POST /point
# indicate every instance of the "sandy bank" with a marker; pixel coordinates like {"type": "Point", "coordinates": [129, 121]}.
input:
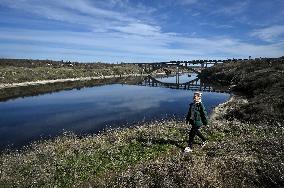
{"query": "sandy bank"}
{"type": "Point", "coordinates": [41, 82]}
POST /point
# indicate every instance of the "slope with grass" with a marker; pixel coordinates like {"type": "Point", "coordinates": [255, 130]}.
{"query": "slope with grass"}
{"type": "Point", "coordinates": [23, 70]}
{"type": "Point", "coordinates": [261, 81]}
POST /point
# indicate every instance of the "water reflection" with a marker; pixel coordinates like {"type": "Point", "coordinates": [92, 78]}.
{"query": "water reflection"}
{"type": "Point", "coordinates": [194, 84]}
{"type": "Point", "coordinates": [177, 78]}
{"type": "Point", "coordinates": [91, 109]}
{"type": "Point", "coordinates": [34, 90]}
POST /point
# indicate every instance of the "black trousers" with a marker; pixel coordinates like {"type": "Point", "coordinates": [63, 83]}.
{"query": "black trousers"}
{"type": "Point", "coordinates": [195, 131]}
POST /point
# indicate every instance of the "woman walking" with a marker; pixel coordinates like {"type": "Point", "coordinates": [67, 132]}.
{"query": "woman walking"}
{"type": "Point", "coordinates": [196, 117]}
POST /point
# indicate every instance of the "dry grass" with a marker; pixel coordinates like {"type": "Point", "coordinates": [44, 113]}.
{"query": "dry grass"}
{"type": "Point", "coordinates": [70, 160]}
{"type": "Point", "coordinates": [238, 155]}
{"type": "Point", "coordinates": [25, 71]}
{"type": "Point", "coordinates": [261, 81]}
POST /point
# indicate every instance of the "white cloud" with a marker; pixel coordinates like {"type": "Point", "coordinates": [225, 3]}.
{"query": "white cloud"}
{"type": "Point", "coordinates": [188, 2]}
{"type": "Point", "coordinates": [269, 34]}
{"type": "Point", "coordinates": [118, 46]}
{"type": "Point", "coordinates": [215, 25]}
{"type": "Point", "coordinates": [196, 14]}
{"type": "Point", "coordinates": [232, 9]}
{"type": "Point", "coordinates": [139, 29]}
{"type": "Point", "coordinates": [62, 7]}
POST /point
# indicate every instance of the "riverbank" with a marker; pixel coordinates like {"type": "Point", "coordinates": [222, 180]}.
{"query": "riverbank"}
{"type": "Point", "coordinates": [21, 77]}
{"type": "Point", "coordinates": [37, 88]}
{"type": "Point", "coordinates": [238, 154]}
{"type": "Point", "coordinates": [42, 82]}
{"type": "Point", "coordinates": [260, 81]}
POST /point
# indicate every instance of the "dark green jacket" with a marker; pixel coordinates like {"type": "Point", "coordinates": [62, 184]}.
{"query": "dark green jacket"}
{"type": "Point", "coordinates": [199, 117]}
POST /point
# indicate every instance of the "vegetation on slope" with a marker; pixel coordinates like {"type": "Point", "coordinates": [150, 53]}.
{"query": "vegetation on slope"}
{"type": "Point", "coordinates": [21, 70]}
{"type": "Point", "coordinates": [261, 81]}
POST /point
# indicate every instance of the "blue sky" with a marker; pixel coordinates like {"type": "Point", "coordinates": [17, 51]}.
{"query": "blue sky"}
{"type": "Point", "coordinates": [141, 31]}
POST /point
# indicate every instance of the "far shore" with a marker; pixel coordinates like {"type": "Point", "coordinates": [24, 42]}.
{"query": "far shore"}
{"type": "Point", "coordinates": [41, 82]}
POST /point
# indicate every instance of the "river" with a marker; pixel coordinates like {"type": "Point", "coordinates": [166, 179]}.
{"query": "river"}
{"type": "Point", "coordinates": [93, 109]}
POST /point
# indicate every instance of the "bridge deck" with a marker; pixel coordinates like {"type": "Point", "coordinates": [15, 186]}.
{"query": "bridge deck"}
{"type": "Point", "coordinates": [208, 61]}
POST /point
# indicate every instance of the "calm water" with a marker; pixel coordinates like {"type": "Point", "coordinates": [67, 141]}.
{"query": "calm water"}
{"type": "Point", "coordinates": [90, 110]}
{"type": "Point", "coordinates": [182, 78]}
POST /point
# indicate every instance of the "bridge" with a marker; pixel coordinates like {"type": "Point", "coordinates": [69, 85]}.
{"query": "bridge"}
{"type": "Point", "coordinates": [193, 85]}
{"type": "Point", "coordinates": [195, 66]}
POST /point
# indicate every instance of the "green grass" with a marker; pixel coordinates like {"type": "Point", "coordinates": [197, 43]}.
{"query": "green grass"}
{"type": "Point", "coordinates": [70, 160]}
{"type": "Point", "coordinates": [79, 167]}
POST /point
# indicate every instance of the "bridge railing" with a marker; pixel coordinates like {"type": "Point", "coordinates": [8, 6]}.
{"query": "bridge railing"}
{"type": "Point", "coordinates": [191, 64]}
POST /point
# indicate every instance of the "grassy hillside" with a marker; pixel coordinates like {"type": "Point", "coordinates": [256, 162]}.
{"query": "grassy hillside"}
{"type": "Point", "coordinates": [261, 81]}
{"type": "Point", "coordinates": [21, 70]}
